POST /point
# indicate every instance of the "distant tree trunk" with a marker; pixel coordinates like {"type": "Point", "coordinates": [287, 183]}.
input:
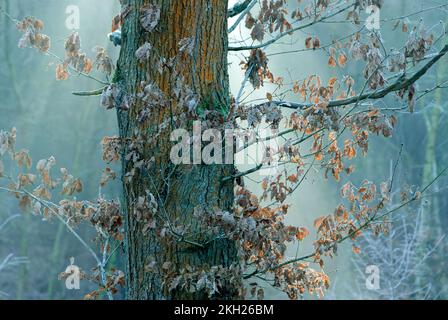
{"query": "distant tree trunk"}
{"type": "Point", "coordinates": [180, 189]}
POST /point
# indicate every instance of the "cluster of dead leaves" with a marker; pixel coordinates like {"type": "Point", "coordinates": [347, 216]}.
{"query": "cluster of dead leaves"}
{"type": "Point", "coordinates": [335, 165]}
{"type": "Point", "coordinates": [74, 57]}
{"type": "Point", "coordinates": [279, 187]}
{"type": "Point", "coordinates": [349, 221]}
{"type": "Point", "coordinates": [341, 59]}
{"type": "Point", "coordinates": [298, 278]}
{"type": "Point", "coordinates": [145, 211]}
{"type": "Point", "coordinates": [419, 43]}
{"type": "Point", "coordinates": [108, 218]}
{"type": "Point", "coordinates": [35, 192]}
{"type": "Point", "coordinates": [107, 175]}
{"type": "Point", "coordinates": [373, 121]}
{"type": "Point", "coordinates": [42, 182]}
{"type": "Point", "coordinates": [109, 97]}
{"type": "Point", "coordinates": [269, 112]}
{"type": "Point", "coordinates": [103, 62]}
{"type": "Point", "coordinates": [272, 18]}
{"type": "Point", "coordinates": [70, 184]}
{"type": "Point", "coordinates": [370, 52]}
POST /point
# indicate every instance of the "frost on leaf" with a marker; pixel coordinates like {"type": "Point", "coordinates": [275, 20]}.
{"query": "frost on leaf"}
{"type": "Point", "coordinates": [210, 280]}
{"type": "Point", "coordinates": [23, 158]}
{"type": "Point", "coordinates": [43, 167]}
{"type": "Point", "coordinates": [271, 18]}
{"type": "Point", "coordinates": [150, 17]}
{"type": "Point", "coordinates": [419, 43]}
{"type": "Point", "coordinates": [108, 217]}
{"type": "Point", "coordinates": [32, 37]}
{"type": "Point", "coordinates": [143, 53]}
{"type": "Point", "coordinates": [42, 192]}
{"type": "Point", "coordinates": [74, 57]}
{"type": "Point", "coordinates": [73, 45]}
{"type": "Point", "coordinates": [70, 184]}
{"type": "Point", "coordinates": [396, 62]}
{"type": "Point", "coordinates": [25, 180]}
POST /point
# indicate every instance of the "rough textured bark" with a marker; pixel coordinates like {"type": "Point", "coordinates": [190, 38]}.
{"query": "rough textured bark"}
{"type": "Point", "coordinates": [180, 188]}
{"type": "Point", "coordinates": [430, 231]}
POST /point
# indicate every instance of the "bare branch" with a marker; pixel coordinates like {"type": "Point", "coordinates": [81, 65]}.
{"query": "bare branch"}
{"type": "Point", "coordinates": [11, 261]}
{"type": "Point", "coordinates": [76, 71]}
{"type": "Point", "coordinates": [15, 21]}
{"type": "Point", "coordinates": [51, 207]}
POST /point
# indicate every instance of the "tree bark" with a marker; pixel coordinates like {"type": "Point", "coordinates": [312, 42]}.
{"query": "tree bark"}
{"type": "Point", "coordinates": [178, 189]}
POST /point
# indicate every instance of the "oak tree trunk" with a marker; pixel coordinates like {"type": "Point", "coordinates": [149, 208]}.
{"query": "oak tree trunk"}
{"type": "Point", "coordinates": [178, 189]}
